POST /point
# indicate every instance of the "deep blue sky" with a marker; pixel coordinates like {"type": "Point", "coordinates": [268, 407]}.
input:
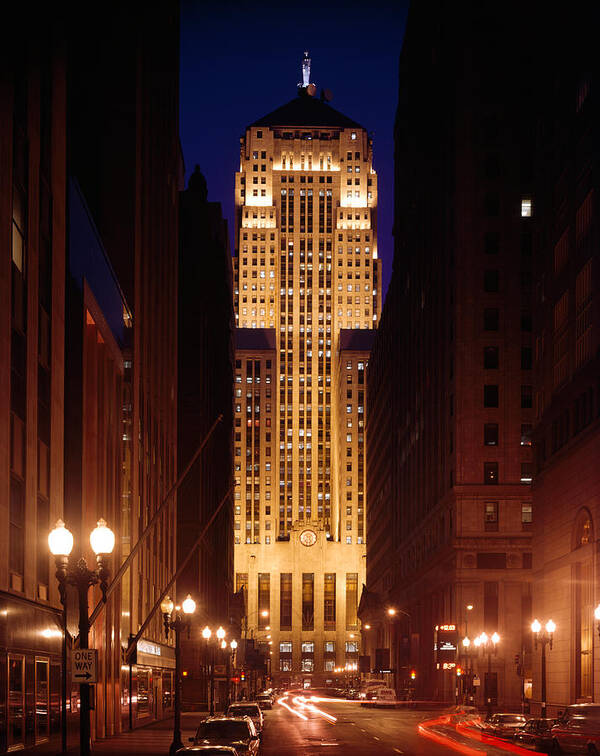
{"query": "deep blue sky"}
{"type": "Point", "coordinates": [240, 60]}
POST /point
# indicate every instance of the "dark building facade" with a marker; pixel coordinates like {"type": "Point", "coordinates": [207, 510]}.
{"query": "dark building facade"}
{"type": "Point", "coordinates": [33, 229]}
{"type": "Point", "coordinates": [124, 152]}
{"type": "Point", "coordinates": [205, 376]}
{"type": "Point", "coordinates": [450, 376]}
{"type": "Point", "coordinates": [566, 492]}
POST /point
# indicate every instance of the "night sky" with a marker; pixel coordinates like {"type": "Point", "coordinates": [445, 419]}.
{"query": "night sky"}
{"type": "Point", "coordinates": [239, 61]}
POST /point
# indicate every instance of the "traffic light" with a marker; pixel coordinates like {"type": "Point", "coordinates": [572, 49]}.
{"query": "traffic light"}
{"type": "Point", "coordinates": [243, 676]}
{"type": "Point", "coordinates": [458, 671]}
{"type": "Point", "coordinates": [413, 674]}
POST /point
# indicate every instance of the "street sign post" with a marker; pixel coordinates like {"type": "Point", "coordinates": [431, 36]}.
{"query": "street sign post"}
{"type": "Point", "coordinates": [476, 681]}
{"type": "Point", "coordinates": [84, 664]}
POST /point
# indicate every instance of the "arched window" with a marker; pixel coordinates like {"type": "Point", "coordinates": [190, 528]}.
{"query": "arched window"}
{"type": "Point", "coordinates": [583, 534]}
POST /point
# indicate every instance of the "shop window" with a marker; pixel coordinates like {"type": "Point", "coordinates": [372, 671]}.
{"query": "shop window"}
{"type": "Point", "coordinates": [42, 700]}
{"type": "Point", "coordinates": [16, 701]}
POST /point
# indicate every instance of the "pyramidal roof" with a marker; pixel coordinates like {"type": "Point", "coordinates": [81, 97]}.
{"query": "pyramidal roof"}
{"type": "Point", "coordinates": [308, 111]}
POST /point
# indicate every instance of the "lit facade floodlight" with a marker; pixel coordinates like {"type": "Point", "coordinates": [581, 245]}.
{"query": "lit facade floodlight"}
{"type": "Point", "coordinates": [536, 626]}
{"type": "Point", "coordinates": [206, 633]}
{"type": "Point", "coordinates": [188, 605]}
{"type": "Point", "coordinates": [60, 540]}
{"type": "Point", "coordinates": [368, 627]}
{"type": "Point", "coordinates": [102, 538]}
{"type": "Point", "coordinates": [167, 605]}
{"type": "Point", "coordinates": [469, 607]}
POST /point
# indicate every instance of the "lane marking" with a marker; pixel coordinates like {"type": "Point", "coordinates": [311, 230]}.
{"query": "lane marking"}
{"type": "Point", "coordinates": [375, 737]}
{"type": "Point", "coordinates": [398, 750]}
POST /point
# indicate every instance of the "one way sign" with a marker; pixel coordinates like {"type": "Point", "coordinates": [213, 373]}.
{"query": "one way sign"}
{"type": "Point", "coordinates": [84, 664]}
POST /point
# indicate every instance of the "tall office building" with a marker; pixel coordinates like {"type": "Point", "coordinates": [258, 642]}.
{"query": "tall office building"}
{"type": "Point", "coordinates": [307, 296]}
{"type": "Point", "coordinates": [451, 372]}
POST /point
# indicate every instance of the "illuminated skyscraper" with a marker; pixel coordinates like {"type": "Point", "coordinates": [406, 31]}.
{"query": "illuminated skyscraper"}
{"type": "Point", "coordinates": [307, 296]}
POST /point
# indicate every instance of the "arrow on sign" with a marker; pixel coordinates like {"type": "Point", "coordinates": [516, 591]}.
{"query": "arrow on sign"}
{"type": "Point", "coordinates": [82, 675]}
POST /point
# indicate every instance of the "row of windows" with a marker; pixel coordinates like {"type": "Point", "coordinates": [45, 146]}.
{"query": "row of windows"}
{"type": "Point", "coordinates": [490, 473]}
{"type": "Point", "coordinates": [308, 647]}
{"type": "Point", "coordinates": [491, 516]}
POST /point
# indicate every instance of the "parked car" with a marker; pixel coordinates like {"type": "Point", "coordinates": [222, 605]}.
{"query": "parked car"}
{"type": "Point", "coordinates": [351, 694]}
{"type": "Point", "coordinates": [247, 709]}
{"type": "Point", "coordinates": [535, 734]}
{"type": "Point", "coordinates": [504, 725]}
{"type": "Point", "coordinates": [578, 730]}
{"type": "Point", "coordinates": [211, 750]}
{"type": "Point", "coordinates": [264, 700]}
{"type": "Point", "coordinates": [237, 732]}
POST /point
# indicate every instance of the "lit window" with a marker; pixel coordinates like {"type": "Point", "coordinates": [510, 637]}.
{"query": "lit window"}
{"type": "Point", "coordinates": [526, 207]}
{"type": "Point", "coordinates": [353, 135]}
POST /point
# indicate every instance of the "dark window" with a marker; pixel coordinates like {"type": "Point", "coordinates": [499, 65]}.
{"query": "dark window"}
{"type": "Point", "coordinates": [491, 242]}
{"type": "Point", "coordinates": [491, 561]}
{"type": "Point", "coordinates": [490, 473]}
{"type": "Point", "coordinates": [526, 244]}
{"type": "Point", "coordinates": [526, 324]}
{"type": "Point", "coordinates": [490, 515]}
{"type": "Point", "coordinates": [329, 600]}
{"type": "Point", "coordinates": [490, 434]}
{"type": "Point", "coordinates": [490, 357]}
{"type": "Point", "coordinates": [526, 358]}
{"type": "Point", "coordinates": [490, 395]}
{"type": "Point", "coordinates": [527, 560]}
{"type": "Point", "coordinates": [526, 472]}
{"type": "Point", "coordinates": [491, 319]}
{"type": "Point", "coordinates": [490, 591]}
{"type": "Point", "coordinates": [285, 601]}
{"type": "Point", "coordinates": [308, 600]}
{"type": "Point", "coordinates": [491, 280]}
{"type": "Point", "coordinates": [259, 134]}
{"type": "Point", "coordinates": [526, 434]}
{"type": "Point", "coordinates": [526, 397]}
{"type": "Point", "coordinates": [492, 204]}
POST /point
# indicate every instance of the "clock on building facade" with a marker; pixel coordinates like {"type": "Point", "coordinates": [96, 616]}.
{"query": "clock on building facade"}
{"type": "Point", "coordinates": [308, 538]}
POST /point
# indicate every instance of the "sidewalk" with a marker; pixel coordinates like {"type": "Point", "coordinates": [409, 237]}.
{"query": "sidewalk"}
{"type": "Point", "coordinates": [154, 739]}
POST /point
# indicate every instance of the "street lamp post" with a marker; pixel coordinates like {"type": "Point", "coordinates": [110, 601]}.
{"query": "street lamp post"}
{"type": "Point", "coordinates": [206, 634]}
{"type": "Point", "coordinates": [488, 644]}
{"type": "Point", "coordinates": [545, 638]}
{"type": "Point", "coordinates": [230, 665]}
{"type": "Point", "coordinates": [60, 542]}
{"type": "Point", "coordinates": [392, 612]}
{"type": "Point", "coordinates": [174, 621]}
{"type": "Point", "coordinates": [467, 679]}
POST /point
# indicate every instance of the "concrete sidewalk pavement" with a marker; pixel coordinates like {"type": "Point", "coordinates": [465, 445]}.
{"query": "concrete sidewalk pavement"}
{"type": "Point", "coordinates": [153, 740]}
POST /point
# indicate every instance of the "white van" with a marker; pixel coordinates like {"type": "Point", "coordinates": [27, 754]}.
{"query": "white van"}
{"type": "Point", "coordinates": [381, 697]}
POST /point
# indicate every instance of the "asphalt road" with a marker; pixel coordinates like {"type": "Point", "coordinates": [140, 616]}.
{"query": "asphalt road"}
{"type": "Point", "coordinates": [357, 731]}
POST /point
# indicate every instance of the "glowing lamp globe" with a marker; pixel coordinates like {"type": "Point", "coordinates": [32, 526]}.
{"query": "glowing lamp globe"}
{"type": "Point", "coordinates": [484, 637]}
{"type": "Point", "coordinates": [264, 613]}
{"type": "Point", "coordinates": [206, 633]}
{"type": "Point", "coordinates": [536, 626]}
{"type": "Point", "coordinates": [166, 605]}
{"type": "Point", "coordinates": [550, 627]}
{"type": "Point", "coordinates": [223, 644]}
{"type": "Point", "coordinates": [597, 612]}
{"type": "Point", "coordinates": [233, 645]}
{"type": "Point", "coordinates": [477, 641]}
{"type": "Point", "coordinates": [220, 633]}
{"type": "Point", "coordinates": [60, 540]}
{"type": "Point", "coordinates": [102, 539]}
{"type": "Point", "coordinates": [495, 638]}
{"type": "Point", "coordinates": [466, 642]}
{"type": "Point", "coordinates": [188, 605]}
{"type": "Point", "coordinates": [391, 611]}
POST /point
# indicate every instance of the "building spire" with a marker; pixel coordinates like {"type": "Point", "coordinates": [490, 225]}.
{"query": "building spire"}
{"type": "Point", "coordinates": [305, 70]}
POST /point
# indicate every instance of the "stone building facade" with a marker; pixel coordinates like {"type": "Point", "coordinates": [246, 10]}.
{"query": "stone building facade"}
{"type": "Point", "coordinates": [305, 268]}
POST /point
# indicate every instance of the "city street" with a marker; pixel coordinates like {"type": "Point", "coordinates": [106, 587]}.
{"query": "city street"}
{"type": "Point", "coordinates": [319, 727]}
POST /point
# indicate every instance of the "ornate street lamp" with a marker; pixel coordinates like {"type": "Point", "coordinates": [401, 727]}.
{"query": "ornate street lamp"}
{"type": "Point", "coordinates": [60, 543]}
{"type": "Point", "coordinates": [219, 643]}
{"type": "Point", "coordinates": [543, 637]}
{"type": "Point", "coordinates": [174, 621]}
{"type": "Point", "coordinates": [488, 644]}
